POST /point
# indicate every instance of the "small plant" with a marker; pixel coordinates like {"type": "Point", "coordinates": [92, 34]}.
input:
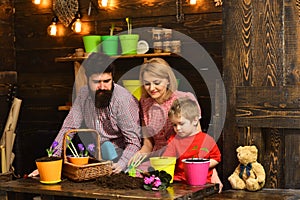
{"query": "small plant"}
{"type": "Point", "coordinates": [157, 180]}
{"type": "Point", "coordinates": [129, 25]}
{"type": "Point", "coordinates": [52, 149]}
{"type": "Point", "coordinates": [82, 151]}
{"type": "Point", "coordinates": [112, 28]}
{"type": "Point", "coordinates": [136, 161]}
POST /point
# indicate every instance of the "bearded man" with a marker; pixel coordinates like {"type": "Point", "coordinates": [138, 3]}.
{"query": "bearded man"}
{"type": "Point", "coordinates": [106, 107]}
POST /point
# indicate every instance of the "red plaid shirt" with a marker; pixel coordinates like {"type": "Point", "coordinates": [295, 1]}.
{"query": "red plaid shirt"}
{"type": "Point", "coordinates": [155, 117]}
{"type": "Point", "coordinates": [118, 123]}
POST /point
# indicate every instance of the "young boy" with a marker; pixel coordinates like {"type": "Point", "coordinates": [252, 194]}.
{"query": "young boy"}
{"type": "Point", "coordinates": [190, 141]}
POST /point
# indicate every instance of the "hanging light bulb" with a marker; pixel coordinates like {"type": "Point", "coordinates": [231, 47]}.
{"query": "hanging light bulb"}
{"type": "Point", "coordinates": [104, 3]}
{"type": "Point", "coordinates": [193, 2]}
{"type": "Point", "coordinates": [52, 28]}
{"type": "Point", "coordinates": [77, 25]}
{"type": "Point", "coordinates": [37, 2]}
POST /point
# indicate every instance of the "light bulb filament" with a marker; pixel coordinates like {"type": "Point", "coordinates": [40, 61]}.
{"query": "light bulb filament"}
{"type": "Point", "coordinates": [193, 2]}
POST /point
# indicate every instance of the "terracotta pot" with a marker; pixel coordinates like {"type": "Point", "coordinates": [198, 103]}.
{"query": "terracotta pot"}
{"type": "Point", "coordinates": [78, 160]}
{"type": "Point", "coordinates": [49, 169]}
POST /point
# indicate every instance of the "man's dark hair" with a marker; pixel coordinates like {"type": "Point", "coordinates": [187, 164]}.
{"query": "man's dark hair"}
{"type": "Point", "coordinates": [98, 63]}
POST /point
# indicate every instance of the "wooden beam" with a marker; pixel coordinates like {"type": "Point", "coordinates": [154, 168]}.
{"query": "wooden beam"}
{"type": "Point", "coordinates": [269, 107]}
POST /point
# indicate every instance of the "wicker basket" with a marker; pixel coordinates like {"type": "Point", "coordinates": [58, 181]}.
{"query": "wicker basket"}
{"type": "Point", "coordinates": [7, 176]}
{"type": "Point", "coordinates": [94, 169]}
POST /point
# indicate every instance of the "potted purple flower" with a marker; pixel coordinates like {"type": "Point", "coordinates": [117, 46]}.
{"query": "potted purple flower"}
{"type": "Point", "coordinates": [81, 158]}
{"type": "Point", "coordinates": [157, 180]}
{"type": "Point", "coordinates": [50, 167]}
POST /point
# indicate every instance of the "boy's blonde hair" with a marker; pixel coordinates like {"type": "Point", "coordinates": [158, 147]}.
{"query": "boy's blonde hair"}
{"type": "Point", "coordinates": [184, 107]}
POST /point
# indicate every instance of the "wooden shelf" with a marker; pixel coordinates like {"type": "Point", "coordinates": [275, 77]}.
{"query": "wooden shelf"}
{"type": "Point", "coordinates": [149, 55]}
{"type": "Point", "coordinates": [77, 64]}
{"type": "Point", "coordinates": [64, 108]}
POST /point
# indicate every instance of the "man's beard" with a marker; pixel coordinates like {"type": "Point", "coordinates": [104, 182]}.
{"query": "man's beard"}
{"type": "Point", "coordinates": [103, 97]}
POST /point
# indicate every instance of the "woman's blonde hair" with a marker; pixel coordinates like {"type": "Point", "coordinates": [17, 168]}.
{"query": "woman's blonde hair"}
{"type": "Point", "coordinates": [158, 67]}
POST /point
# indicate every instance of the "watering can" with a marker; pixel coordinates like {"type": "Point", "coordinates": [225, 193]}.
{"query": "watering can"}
{"type": "Point", "coordinates": [108, 151]}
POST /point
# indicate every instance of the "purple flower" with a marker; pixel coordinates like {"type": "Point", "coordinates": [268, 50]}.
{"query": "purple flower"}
{"type": "Point", "coordinates": [80, 147]}
{"type": "Point", "coordinates": [149, 180]}
{"type": "Point", "coordinates": [52, 149]}
{"type": "Point", "coordinates": [91, 147]}
{"type": "Point", "coordinates": [54, 144]}
{"type": "Point", "coordinates": [157, 182]}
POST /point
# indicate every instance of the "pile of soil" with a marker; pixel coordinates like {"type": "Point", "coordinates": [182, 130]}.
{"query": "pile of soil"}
{"type": "Point", "coordinates": [120, 181]}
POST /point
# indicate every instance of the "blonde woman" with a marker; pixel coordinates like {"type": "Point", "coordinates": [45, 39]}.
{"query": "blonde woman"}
{"type": "Point", "coordinates": [158, 93]}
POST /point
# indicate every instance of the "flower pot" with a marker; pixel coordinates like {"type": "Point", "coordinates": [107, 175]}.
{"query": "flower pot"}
{"type": "Point", "coordinates": [78, 160]}
{"type": "Point", "coordinates": [164, 163]}
{"type": "Point", "coordinates": [196, 170]}
{"type": "Point", "coordinates": [91, 43]}
{"type": "Point", "coordinates": [110, 44]}
{"type": "Point", "coordinates": [134, 87]}
{"type": "Point", "coordinates": [129, 43]}
{"type": "Point", "coordinates": [49, 169]}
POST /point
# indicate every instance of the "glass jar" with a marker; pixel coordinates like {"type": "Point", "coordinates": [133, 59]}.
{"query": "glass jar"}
{"type": "Point", "coordinates": [176, 46]}
{"type": "Point", "coordinates": [167, 34]}
{"type": "Point", "coordinates": [157, 34]}
{"type": "Point", "coordinates": [157, 46]}
{"type": "Point", "coordinates": [167, 46]}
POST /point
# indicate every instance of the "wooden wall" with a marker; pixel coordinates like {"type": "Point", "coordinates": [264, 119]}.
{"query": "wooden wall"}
{"type": "Point", "coordinates": [40, 77]}
{"type": "Point", "coordinates": [7, 35]}
{"type": "Point", "coordinates": [261, 74]}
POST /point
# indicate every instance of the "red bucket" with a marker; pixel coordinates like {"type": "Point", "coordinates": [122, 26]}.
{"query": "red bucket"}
{"type": "Point", "coordinates": [196, 170]}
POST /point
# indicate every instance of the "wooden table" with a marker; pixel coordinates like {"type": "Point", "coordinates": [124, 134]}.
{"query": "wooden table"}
{"type": "Point", "coordinates": [66, 188]}
{"type": "Point", "coordinates": [264, 194]}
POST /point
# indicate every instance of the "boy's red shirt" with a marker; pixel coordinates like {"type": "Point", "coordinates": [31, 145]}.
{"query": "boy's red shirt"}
{"type": "Point", "coordinates": [200, 145]}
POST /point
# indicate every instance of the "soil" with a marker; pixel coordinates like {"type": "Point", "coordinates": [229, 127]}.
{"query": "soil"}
{"type": "Point", "coordinates": [196, 160]}
{"type": "Point", "coordinates": [46, 159]}
{"type": "Point", "coordinates": [120, 181]}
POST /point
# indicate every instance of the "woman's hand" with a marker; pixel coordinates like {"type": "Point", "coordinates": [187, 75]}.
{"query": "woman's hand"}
{"type": "Point", "coordinates": [138, 156]}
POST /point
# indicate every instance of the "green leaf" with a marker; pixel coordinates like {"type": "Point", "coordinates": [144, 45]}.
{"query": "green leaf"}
{"type": "Point", "coordinates": [148, 187]}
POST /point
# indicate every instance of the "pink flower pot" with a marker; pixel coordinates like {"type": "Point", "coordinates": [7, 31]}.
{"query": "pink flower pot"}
{"type": "Point", "coordinates": [196, 170]}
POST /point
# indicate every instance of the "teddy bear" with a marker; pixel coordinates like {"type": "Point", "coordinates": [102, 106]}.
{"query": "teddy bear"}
{"type": "Point", "coordinates": [249, 174]}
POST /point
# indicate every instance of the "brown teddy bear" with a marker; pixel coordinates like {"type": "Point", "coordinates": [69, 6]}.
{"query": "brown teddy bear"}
{"type": "Point", "coordinates": [249, 174]}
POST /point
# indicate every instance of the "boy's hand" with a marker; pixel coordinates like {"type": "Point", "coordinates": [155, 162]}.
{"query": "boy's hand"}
{"type": "Point", "coordinates": [215, 179]}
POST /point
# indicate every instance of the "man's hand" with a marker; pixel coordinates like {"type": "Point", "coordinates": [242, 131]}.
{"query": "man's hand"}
{"type": "Point", "coordinates": [116, 168]}
{"type": "Point", "coordinates": [34, 173]}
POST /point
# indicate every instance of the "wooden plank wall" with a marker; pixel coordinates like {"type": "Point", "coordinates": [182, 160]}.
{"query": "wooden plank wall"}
{"type": "Point", "coordinates": [7, 48]}
{"type": "Point", "coordinates": [7, 58]}
{"type": "Point", "coordinates": [261, 68]}
{"type": "Point", "coordinates": [40, 77]}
